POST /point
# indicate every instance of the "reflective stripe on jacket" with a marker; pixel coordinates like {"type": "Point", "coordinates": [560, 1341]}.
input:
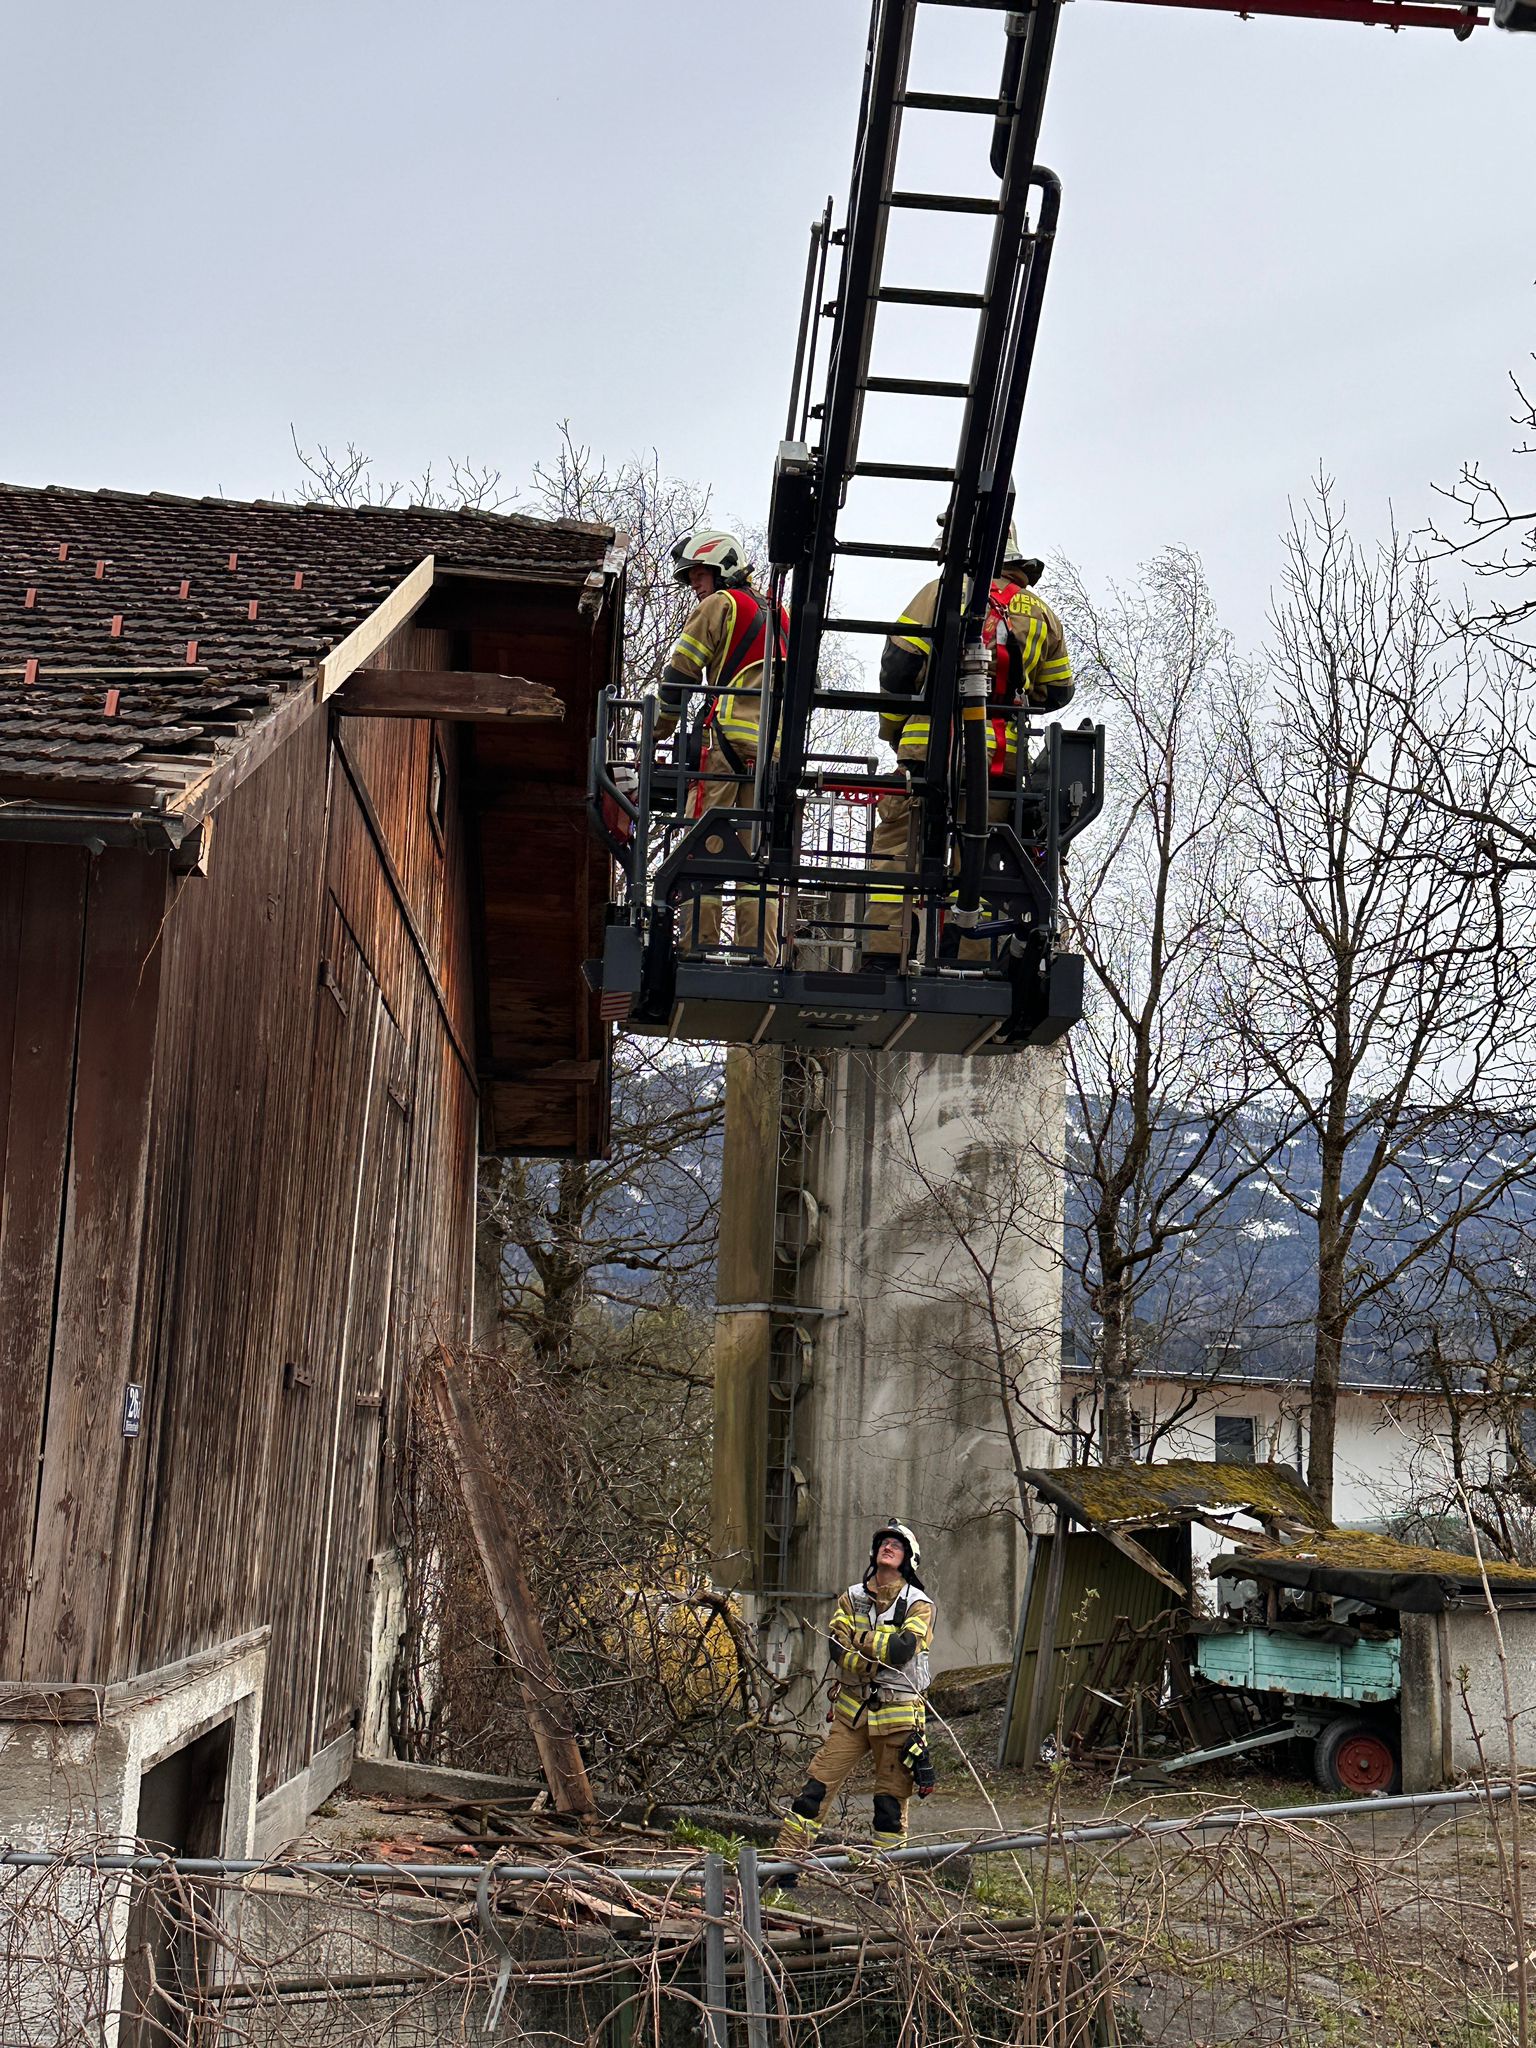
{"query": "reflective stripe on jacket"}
{"type": "Point", "coordinates": [1032, 662]}
{"type": "Point", "coordinates": [722, 646]}
{"type": "Point", "coordinates": [871, 1692]}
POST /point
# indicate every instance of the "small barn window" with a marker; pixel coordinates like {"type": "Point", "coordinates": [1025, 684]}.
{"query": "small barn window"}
{"type": "Point", "coordinates": [437, 793]}
{"type": "Point", "coordinates": [1234, 1439]}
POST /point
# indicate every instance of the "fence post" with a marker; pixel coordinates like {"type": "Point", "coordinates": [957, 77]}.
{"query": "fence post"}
{"type": "Point", "coordinates": [714, 1950]}
{"type": "Point", "coordinates": [752, 1946]}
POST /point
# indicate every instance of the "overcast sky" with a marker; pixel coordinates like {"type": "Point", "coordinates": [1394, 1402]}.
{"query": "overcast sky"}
{"type": "Point", "coordinates": [437, 229]}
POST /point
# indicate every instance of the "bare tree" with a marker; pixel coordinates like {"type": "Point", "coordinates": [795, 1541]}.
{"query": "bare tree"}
{"type": "Point", "coordinates": [1376, 977]}
{"type": "Point", "coordinates": [1491, 534]}
{"type": "Point", "coordinates": [652, 510]}
{"type": "Point", "coordinates": [1463, 1333]}
{"type": "Point", "coordinates": [635, 1230]}
{"type": "Point", "coordinates": [348, 478]}
{"type": "Point", "coordinates": [1156, 1078]}
{"type": "Point", "coordinates": [607, 1239]}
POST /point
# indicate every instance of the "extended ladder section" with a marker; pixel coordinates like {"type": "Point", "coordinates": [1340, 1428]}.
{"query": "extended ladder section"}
{"type": "Point", "coordinates": [755, 919]}
{"type": "Point", "coordinates": [761, 908]}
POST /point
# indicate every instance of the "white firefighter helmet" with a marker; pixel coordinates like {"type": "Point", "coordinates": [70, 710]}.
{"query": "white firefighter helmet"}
{"type": "Point", "coordinates": [904, 1536]}
{"type": "Point", "coordinates": [1014, 557]}
{"type": "Point", "coordinates": [709, 549]}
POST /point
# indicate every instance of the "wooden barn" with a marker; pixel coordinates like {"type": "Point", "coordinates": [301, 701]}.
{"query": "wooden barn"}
{"type": "Point", "coordinates": [295, 887]}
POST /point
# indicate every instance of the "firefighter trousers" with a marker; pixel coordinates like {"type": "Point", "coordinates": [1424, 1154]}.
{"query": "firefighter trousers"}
{"type": "Point", "coordinates": [893, 846]}
{"type": "Point", "coordinates": [723, 788]}
{"type": "Point", "coordinates": [842, 1752]}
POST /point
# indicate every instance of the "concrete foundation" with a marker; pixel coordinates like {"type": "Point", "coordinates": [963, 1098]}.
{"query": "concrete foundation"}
{"type": "Point", "coordinates": [80, 1767]}
{"type": "Point", "coordinates": [893, 1348]}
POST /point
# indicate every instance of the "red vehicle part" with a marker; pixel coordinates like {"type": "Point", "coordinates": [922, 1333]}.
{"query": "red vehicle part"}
{"type": "Point", "coordinates": [1357, 1756]}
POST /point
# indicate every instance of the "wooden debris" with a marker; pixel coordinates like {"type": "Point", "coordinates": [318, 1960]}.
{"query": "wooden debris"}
{"type": "Point", "coordinates": [497, 1544]}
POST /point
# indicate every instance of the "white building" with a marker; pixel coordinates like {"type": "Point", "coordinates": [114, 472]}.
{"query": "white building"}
{"type": "Point", "coordinates": [1394, 1446]}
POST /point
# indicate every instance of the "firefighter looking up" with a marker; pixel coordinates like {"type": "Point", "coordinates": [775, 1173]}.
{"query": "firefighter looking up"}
{"type": "Point", "coordinates": [1032, 662]}
{"type": "Point", "coordinates": [720, 652]}
{"type": "Point", "coordinates": [881, 1632]}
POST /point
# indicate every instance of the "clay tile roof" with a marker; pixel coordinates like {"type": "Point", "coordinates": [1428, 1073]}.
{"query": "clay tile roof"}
{"type": "Point", "coordinates": [118, 691]}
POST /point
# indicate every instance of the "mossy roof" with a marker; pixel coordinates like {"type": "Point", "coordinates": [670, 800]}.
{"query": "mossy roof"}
{"type": "Point", "coordinates": [1362, 1565]}
{"type": "Point", "coordinates": [1138, 1496]}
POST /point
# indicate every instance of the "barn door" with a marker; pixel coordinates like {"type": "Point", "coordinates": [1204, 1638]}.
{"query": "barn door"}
{"type": "Point", "coordinates": [334, 1365]}
{"type": "Point", "coordinates": [363, 1403]}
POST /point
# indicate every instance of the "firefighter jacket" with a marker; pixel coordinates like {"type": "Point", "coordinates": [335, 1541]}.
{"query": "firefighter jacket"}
{"type": "Point", "coordinates": [870, 1691]}
{"type": "Point", "coordinates": [1032, 662]}
{"type": "Point", "coordinates": [721, 645]}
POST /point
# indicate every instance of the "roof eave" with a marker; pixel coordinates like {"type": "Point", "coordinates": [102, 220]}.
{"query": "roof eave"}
{"type": "Point", "coordinates": [164, 826]}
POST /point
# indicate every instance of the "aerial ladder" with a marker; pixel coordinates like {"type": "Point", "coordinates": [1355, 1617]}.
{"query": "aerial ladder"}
{"type": "Point", "coordinates": [802, 845]}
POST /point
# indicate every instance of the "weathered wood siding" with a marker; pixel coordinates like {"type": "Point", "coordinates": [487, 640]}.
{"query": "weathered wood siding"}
{"type": "Point", "coordinates": [546, 1064]}
{"type": "Point", "coordinates": [239, 1118]}
{"type": "Point", "coordinates": [239, 1125]}
{"type": "Point", "coordinates": [42, 925]}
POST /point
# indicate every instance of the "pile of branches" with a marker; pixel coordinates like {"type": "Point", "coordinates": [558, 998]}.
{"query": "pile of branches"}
{"type": "Point", "coordinates": [605, 1475]}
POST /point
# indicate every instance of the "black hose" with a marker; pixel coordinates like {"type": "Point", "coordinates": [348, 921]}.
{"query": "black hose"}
{"type": "Point", "coordinates": [973, 741]}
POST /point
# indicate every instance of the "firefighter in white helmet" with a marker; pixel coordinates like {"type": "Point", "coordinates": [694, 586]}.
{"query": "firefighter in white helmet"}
{"type": "Point", "coordinates": [1031, 661]}
{"type": "Point", "coordinates": [881, 1633]}
{"type": "Point", "coordinates": [718, 658]}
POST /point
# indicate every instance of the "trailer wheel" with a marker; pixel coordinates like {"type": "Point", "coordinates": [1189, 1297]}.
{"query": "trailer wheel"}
{"type": "Point", "coordinates": [1357, 1756]}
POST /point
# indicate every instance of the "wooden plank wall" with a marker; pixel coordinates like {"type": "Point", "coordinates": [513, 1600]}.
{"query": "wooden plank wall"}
{"type": "Point", "coordinates": [42, 927]}
{"type": "Point", "coordinates": [265, 1208]}
{"type": "Point", "coordinates": [238, 1127]}
{"type": "Point", "coordinates": [544, 885]}
{"type": "Point", "coordinates": [221, 1280]}
{"type": "Point", "coordinates": [85, 1478]}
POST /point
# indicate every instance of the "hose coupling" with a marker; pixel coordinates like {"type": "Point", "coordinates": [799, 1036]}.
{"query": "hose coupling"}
{"type": "Point", "coordinates": [976, 666]}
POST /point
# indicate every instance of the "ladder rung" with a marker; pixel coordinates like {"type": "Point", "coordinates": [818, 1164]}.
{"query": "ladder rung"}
{"type": "Point", "coordinates": [918, 387]}
{"type": "Point", "coordinates": [864, 700]}
{"type": "Point", "coordinates": [950, 103]}
{"type": "Point", "coordinates": [889, 628]}
{"type": "Point", "coordinates": [888, 550]}
{"type": "Point", "coordinates": [941, 202]}
{"type": "Point", "coordinates": [916, 295]}
{"type": "Point", "coordinates": [906, 472]}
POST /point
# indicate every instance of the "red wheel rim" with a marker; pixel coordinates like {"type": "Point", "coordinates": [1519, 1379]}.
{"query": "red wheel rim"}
{"type": "Point", "coordinates": [1364, 1762]}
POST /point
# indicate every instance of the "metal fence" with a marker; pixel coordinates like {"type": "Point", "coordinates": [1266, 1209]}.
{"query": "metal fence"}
{"type": "Point", "coordinates": [1380, 1922]}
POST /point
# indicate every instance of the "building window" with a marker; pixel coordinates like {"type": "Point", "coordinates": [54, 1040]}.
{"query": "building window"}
{"type": "Point", "coordinates": [1234, 1439]}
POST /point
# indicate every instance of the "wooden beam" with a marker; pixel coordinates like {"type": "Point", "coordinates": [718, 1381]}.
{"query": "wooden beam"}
{"type": "Point", "coordinates": [446, 693]}
{"type": "Point", "coordinates": [359, 788]}
{"type": "Point", "coordinates": [582, 1072]}
{"type": "Point", "coordinates": [1042, 1696]}
{"type": "Point", "coordinates": [496, 1541]}
{"type": "Point", "coordinates": [349, 655]}
{"type": "Point", "coordinates": [39, 1701]}
{"type": "Point", "coordinates": [1129, 1547]}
